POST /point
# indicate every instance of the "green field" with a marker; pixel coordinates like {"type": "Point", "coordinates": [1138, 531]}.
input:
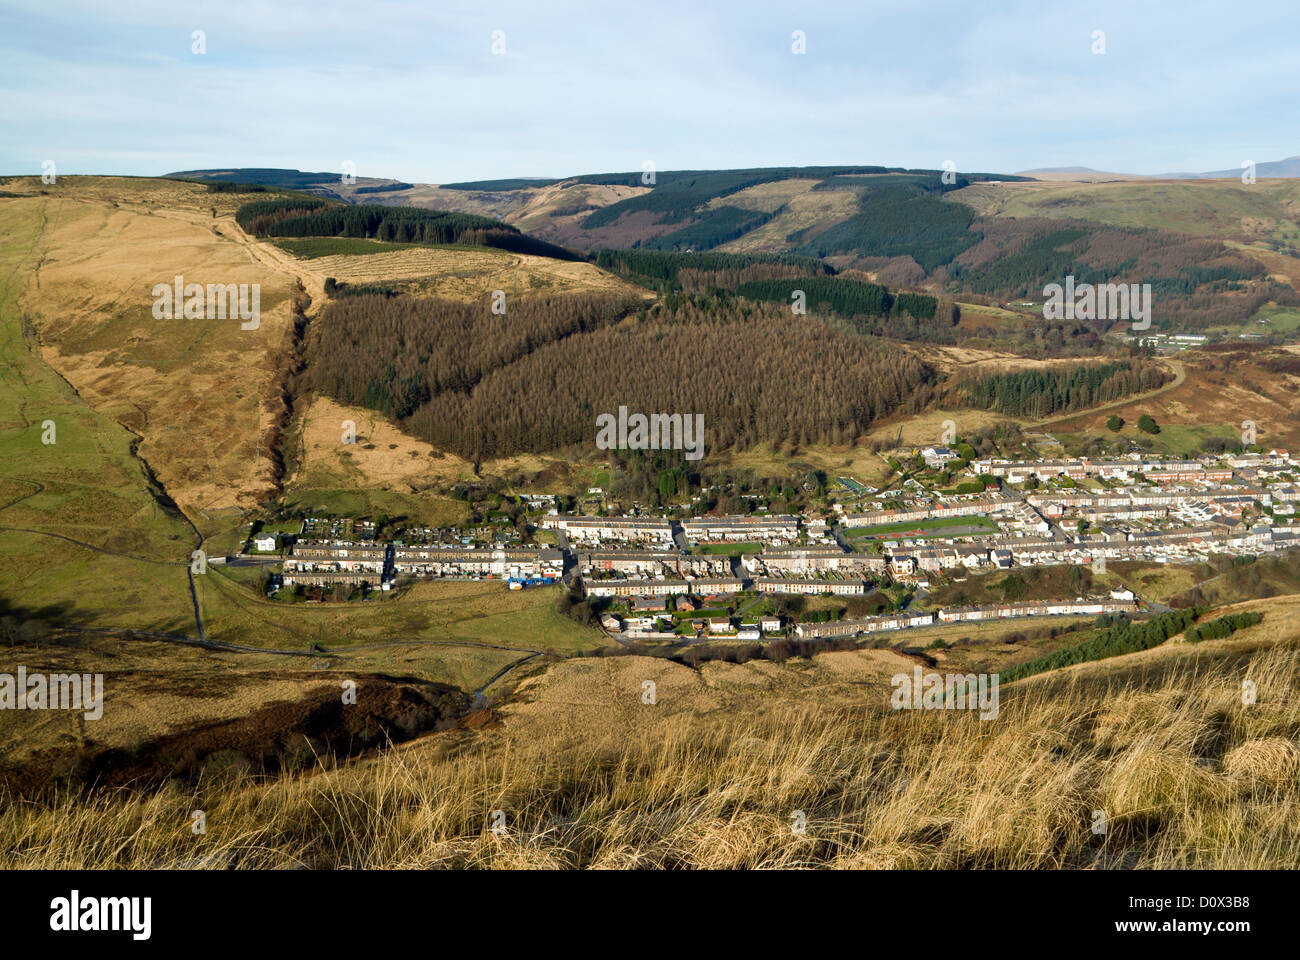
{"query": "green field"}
{"type": "Point", "coordinates": [935, 527]}
{"type": "Point", "coordinates": [86, 486]}
{"type": "Point", "coordinates": [727, 549]}
{"type": "Point", "coordinates": [310, 248]}
{"type": "Point", "coordinates": [421, 510]}
{"type": "Point", "coordinates": [1283, 320]}
{"type": "Point", "coordinates": [1174, 439]}
{"type": "Point", "coordinates": [474, 612]}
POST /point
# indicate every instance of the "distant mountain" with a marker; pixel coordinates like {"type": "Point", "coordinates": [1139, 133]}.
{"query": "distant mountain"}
{"type": "Point", "coordinates": [917, 231]}
{"type": "Point", "coordinates": [1081, 174]}
{"type": "Point", "coordinates": [330, 185]}
{"type": "Point", "coordinates": [1057, 170]}
{"type": "Point", "coordinates": [1267, 170]}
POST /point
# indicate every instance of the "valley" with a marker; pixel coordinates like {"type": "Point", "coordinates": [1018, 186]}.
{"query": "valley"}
{"type": "Point", "coordinates": [918, 471]}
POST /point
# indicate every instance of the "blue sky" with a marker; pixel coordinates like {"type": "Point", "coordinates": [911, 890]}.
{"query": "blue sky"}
{"type": "Point", "coordinates": [414, 91]}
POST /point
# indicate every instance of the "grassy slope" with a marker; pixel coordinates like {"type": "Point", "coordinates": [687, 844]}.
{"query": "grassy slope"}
{"type": "Point", "coordinates": [86, 486]}
{"type": "Point", "coordinates": [1266, 209]}
{"type": "Point", "coordinates": [1186, 773]}
{"type": "Point", "coordinates": [89, 487]}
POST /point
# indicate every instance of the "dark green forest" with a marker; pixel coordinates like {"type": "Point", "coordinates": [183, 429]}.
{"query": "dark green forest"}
{"type": "Point", "coordinates": [847, 297]}
{"type": "Point", "coordinates": [1039, 393]}
{"type": "Point", "coordinates": [659, 269]}
{"type": "Point", "coordinates": [304, 217]}
{"type": "Point", "coordinates": [714, 228]}
{"type": "Point", "coordinates": [899, 219]}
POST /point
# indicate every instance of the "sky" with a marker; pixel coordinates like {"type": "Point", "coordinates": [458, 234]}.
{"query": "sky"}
{"type": "Point", "coordinates": [416, 91]}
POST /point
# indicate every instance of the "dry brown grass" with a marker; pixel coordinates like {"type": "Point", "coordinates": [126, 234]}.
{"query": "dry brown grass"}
{"type": "Point", "coordinates": [469, 274]}
{"type": "Point", "coordinates": [195, 390]}
{"type": "Point", "coordinates": [1186, 774]}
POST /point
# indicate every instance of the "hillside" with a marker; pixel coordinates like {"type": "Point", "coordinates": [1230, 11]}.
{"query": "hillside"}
{"type": "Point", "coordinates": [772, 764]}
{"type": "Point", "coordinates": [172, 434]}
{"type": "Point", "coordinates": [1212, 250]}
{"type": "Point", "coordinates": [195, 427]}
{"type": "Point", "coordinates": [176, 434]}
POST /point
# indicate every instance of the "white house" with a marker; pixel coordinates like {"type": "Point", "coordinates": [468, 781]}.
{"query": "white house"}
{"type": "Point", "coordinates": [265, 541]}
{"type": "Point", "coordinates": [937, 456]}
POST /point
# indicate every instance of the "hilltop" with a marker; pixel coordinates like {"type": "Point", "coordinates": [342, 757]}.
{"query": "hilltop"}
{"type": "Point", "coordinates": [1211, 250]}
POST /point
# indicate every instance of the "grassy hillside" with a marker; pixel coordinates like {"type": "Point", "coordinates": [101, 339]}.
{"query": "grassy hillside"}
{"type": "Point", "coordinates": [168, 429]}
{"type": "Point", "coordinates": [81, 513]}
{"type": "Point", "coordinates": [1217, 253]}
{"type": "Point", "coordinates": [791, 765]}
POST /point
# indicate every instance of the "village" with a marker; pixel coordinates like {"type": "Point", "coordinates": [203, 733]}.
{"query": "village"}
{"type": "Point", "coordinates": [648, 574]}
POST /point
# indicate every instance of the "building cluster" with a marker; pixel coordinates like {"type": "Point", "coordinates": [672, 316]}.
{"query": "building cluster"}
{"type": "Point", "coordinates": [1179, 545]}
{"type": "Point", "coordinates": [1127, 469]}
{"type": "Point", "coordinates": [1011, 512]}
{"type": "Point", "coordinates": [511, 563]}
{"type": "Point", "coordinates": [773, 529]}
{"type": "Point", "coordinates": [1118, 602]}
{"type": "Point", "coordinates": [378, 565]}
{"type": "Point", "coordinates": [319, 563]}
{"type": "Point", "coordinates": [1145, 508]}
{"type": "Point", "coordinates": [673, 564]}
{"type": "Point", "coordinates": [647, 619]}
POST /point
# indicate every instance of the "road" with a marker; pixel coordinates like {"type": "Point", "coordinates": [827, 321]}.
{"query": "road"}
{"type": "Point", "coordinates": [1180, 374]}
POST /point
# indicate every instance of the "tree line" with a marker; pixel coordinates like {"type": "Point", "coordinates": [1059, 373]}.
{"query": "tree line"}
{"type": "Point", "coordinates": [535, 379]}
{"type": "Point", "coordinates": [660, 270]}
{"type": "Point", "coordinates": [1112, 642]}
{"type": "Point", "coordinates": [1040, 392]}
{"type": "Point", "coordinates": [844, 296]}
{"type": "Point", "coordinates": [1224, 626]}
{"type": "Point", "coordinates": [395, 353]}
{"type": "Point", "coordinates": [304, 217]}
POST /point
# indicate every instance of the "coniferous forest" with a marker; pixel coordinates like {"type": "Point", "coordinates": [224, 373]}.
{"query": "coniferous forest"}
{"type": "Point", "coordinates": [308, 217]}
{"type": "Point", "coordinates": [535, 379]}
{"type": "Point", "coordinates": [1039, 393]}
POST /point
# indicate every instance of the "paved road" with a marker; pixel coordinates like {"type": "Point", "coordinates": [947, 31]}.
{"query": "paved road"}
{"type": "Point", "coordinates": [569, 563]}
{"type": "Point", "coordinates": [245, 561]}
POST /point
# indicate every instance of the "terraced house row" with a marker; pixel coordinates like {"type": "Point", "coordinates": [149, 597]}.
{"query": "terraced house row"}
{"type": "Point", "coordinates": [768, 529]}
{"type": "Point", "coordinates": [325, 562]}
{"type": "Point", "coordinates": [1119, 602]}
{"type": "Point", "coordinates": [606, 564]}
{"type": "Point", "coordinates": [319, 563]}
{"type": "Point", "coordinates": [519, 563]}
{"type": "Point", "coordinates": [982, 505]}
{"type": "Point", "coordinates": [1161, 470]}
{"type": "Point", "coordinates": [1230, 499]}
